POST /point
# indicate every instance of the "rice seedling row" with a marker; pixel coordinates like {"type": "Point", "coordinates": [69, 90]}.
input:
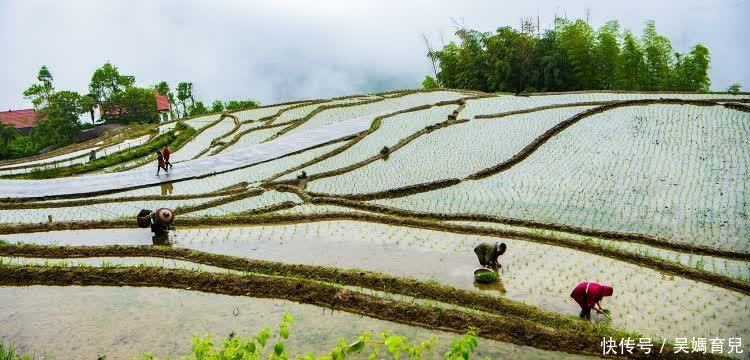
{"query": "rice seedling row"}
{"type": "Point", "coordinates": [673, 171]}
{"type": "Point", "coordinates": [335, 115]}
{"type": "Point", "coordinates": [475, 145]}
{"type": "Point", "coordinates": [391, 130]}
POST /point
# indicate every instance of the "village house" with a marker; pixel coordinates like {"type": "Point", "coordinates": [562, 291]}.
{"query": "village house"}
{"type": "Point", "coordinates": [163, 109]}
{"type": "Point", "coordinates": [23, 120]}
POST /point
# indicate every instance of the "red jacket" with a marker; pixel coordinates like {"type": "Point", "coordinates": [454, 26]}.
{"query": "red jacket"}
{"type": "Point", "coordinates": [587, 294]}
{"type": "Point", "coordinates": [165, 152]}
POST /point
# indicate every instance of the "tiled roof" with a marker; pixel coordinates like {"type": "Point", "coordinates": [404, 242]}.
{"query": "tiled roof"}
{"type": "Point", "coordinates": [162, 103]}
{"type": "Point", "coordinates": [19, 118]}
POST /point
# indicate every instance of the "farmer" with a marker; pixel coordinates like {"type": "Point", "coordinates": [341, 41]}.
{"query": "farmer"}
{"type": "Point", "coordinates": [160, 221]}
{"type": "Point", "coordinates": [160, 163]}
{"type": "Point", "coordinates": [588, 295]}
{"type": "Point", "coordinates": [488, 253]}
{"type": "Point", "coordinates": [166, 152]}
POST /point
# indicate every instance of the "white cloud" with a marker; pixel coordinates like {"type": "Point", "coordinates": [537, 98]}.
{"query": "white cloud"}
{"type": "Point", "coordinates": [282, 50]}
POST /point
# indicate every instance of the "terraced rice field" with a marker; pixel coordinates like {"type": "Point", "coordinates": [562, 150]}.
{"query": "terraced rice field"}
{"type": "Point", "coordinates": [361, 213]}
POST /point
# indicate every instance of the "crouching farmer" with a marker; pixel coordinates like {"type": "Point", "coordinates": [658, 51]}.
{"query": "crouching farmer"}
{"type": "Point", "coordinates": [588, 295]}
{"type": "Point", "coordinates": [488, 253]}
{"type": "Point", "coordinates": [160, 221]}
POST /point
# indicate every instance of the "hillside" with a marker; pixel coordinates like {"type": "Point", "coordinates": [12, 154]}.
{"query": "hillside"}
{"type": "Point", "coordinates": [645, 191]}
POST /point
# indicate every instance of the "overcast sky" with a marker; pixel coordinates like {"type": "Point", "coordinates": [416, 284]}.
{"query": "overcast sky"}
{"type": "Point", "coordinates": [275, 50]}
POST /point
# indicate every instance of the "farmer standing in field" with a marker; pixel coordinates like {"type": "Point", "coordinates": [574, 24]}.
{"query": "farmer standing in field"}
{"type": "Point", "coordinates": [166, 152]}
{"type": "Point", "coordinates": [488, 253]}
{"type": "Point", "coordinates": [588, 295]}
{"type": "Point", "coordinates": [160, 163]}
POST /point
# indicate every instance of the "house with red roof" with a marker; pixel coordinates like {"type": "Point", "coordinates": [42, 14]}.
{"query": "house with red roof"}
{"type": "Point", "coordinates": [23, 120]}
{"type": "Point", "coordinates": [163, 108]}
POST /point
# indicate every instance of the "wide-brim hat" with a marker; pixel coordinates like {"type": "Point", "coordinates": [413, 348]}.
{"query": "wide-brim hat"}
{"type": "Point", "coordinates": [165, 216]}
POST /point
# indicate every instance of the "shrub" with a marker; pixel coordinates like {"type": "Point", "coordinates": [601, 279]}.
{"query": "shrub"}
{"type": "Point", "coordinates": [237, 346]}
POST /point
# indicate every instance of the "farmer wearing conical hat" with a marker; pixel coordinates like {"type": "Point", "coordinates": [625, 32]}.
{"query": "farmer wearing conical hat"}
{"type": "Point", "coordinates": [588, 295]}
{"type": "Point", "coordinates": [488, 253]}
{"type": "Point", "coordinates": [160, 220]}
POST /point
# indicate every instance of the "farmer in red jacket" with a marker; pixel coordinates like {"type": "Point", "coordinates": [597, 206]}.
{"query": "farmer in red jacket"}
{"type": "Point", "coordinates": [160, 163]}
{"type": "Point", "coordinates": [588, 295]}
{"type": "Point", "coordinates": [165, 152]}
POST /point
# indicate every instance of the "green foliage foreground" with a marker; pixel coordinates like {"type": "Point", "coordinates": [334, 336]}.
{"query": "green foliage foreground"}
{"type": "Point", "coordinates": [238, 347]}
{"type": "Point", "coordinates": [387, 346]}
{"type": "Point", "coordinates": [8, 352]}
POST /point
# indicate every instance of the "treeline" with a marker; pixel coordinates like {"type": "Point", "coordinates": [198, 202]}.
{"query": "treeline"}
{"type": "Point", "coordinates": [58, 112]}
{"type": "Point", "coordinates": [570, 56]}
{"type": "Point", "coordinates": [184, 99]}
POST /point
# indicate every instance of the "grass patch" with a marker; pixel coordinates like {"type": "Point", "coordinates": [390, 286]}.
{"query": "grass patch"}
{"type": "Point", "coordinates": [8, 352]}
{"type": "Point", "coordinates": [174, 138]}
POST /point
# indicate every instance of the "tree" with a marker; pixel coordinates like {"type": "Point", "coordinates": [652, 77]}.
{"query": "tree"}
{"type": "Point", "coordinates": [162, 88]}
{"type": "Point", "coordinates": [570, 56]}
{"type": "Point", "coordinates": [429, 82]}
{"type": "Point", "coordinates": [235, 105]}
{"type": "Point", "coordinates": [658, 58]}
{"type": "Point", "coordinates": [40, 92]}
{"type": "Point", "coordinates": [607, 55]}
{"type": "Point", "coordinates": [7, 135]}
{"type": "Point", "coordinates": [198, 108]}
{"type": "Point", "coordinates": [734, 88]}
{"type": "Point", "coordinates": [134, 105]}
{"type": "Point", "coordinates": [553, 63]}
{"type": "Point", "coordinates": [184, 92]}
{"type": "Point", "coordinates": [61, 124]}
{"type": "Point", "coordinates": [107, 81]}
{"type": "Point", "coordinates": [217, 106]}
{"type": "Point", "coordinates": [697, 64]}
{"type": "Point", "coordinates": [632, 67]}
{"type": "Point", "coordinates": [577, 40]}
{"type": "Point", "coordinates": [173, 103]}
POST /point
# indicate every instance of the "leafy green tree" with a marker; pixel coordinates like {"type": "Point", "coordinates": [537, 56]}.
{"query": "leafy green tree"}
{"type": "Point", "coordinates": [570, 56]}
{"type": "Point", "coordinates": [607, 55]}
{"type": "Point", "coordinates": [658, 58]}
{"type": "Point", "coordinates": [197, 109]}
{"type": "Point", "coordinates": [464, 66]}
{"type": "Point", "coordinates": [429, 82]}
{"type": "Point", "coordinates": [107, 81]}
{"type": "Point", "coordinates": [734, 88]}
{"type": "Point", "coordinates": [184, 92]}
{"type": "Point", "coordinates": [61, 124]}
{"type": "Point", "coordinates": [553, 63]}
{"type": "Point", "coordinates": [632, 67]}
{"type": "Point", "coordinates": [217, 106]}
{"type": "Point", "coordinates": [22, 146]}
{"type": "Point", "coordinates": [162, 88]}
{"type": "Point", "coordinates": [697, 64]}
{"type": "Point", "coordinates": [235, 105]}
{"type": "Point", "coordinates": [133, 105]}
{"type": "Point", "coordinates": [7, 135]}
{"type": "Point", "coordinates": [173, 103]}
{"type": "Point", "coordinates": [40, 92]}
{"type": "Point", "coordinates": [577, 40]}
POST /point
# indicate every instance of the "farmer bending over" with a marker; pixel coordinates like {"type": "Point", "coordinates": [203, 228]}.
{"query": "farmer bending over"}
{"type": "Point", "coordinates": [588, 295]}
{"type": "Point", "coordinates": [488, 253]}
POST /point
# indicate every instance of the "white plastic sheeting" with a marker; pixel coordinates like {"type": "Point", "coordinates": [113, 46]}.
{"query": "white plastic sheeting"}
{"type": "Point", "coordinates": [279, 147]}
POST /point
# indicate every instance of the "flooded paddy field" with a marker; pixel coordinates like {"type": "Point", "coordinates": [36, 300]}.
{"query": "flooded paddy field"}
{"type": "Point", "coordinates": [122, 323]}
{"type": "Point", "coordinates": [447, 258]}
